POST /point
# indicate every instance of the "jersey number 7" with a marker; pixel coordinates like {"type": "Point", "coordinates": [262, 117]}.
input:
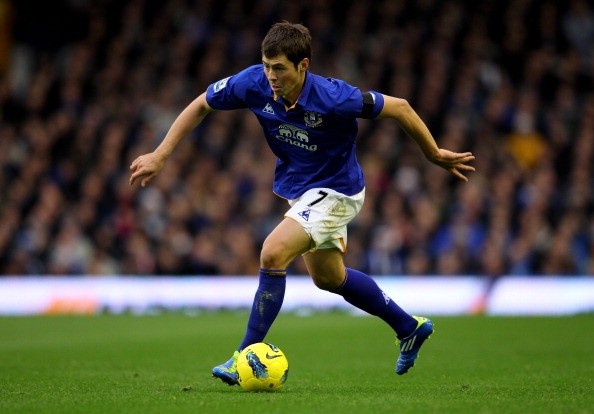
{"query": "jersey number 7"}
{"type": "Point", "coordinates": [322, 194]}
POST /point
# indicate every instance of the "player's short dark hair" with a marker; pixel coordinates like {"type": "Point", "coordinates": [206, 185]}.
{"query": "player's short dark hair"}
{"type": "Point", "coordinates": [290, 39]}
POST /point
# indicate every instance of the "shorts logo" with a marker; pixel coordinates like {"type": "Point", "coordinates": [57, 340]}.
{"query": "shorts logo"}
{"type": "Point", "coordinates": [305, 214]}
{"type": "Point", "coordinates": [220, 84]}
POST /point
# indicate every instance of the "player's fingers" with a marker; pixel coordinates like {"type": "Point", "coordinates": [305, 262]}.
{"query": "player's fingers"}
{"type": "Point", "coordinates": [133, 178]}
{"type": "Point", "coordinates": [462, 158]}
{"type": "Point", "coordinates": [465, 167]}
{"type": "Point", "coordinates": [146, 179]}
{"type": "Point", "coordinates": [136, 175]}
{"type": "Point", "coordinates": [459, 174]}
{"type": "Point", "coordinates": [134, 164]}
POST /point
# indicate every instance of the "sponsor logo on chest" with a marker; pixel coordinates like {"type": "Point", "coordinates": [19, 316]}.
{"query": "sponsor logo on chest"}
{"type": "Point", "coordinates": [293, 135]}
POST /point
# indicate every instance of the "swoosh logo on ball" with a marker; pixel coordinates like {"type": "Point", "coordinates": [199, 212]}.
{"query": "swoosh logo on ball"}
{"type": "Point", "coordinates": [268, 356]}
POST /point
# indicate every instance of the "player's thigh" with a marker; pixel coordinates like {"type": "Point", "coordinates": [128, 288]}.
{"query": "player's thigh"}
{"type": "Point", "coordinates": [326, 268]}
{"type": "Point", "coordinates": [287, 241]}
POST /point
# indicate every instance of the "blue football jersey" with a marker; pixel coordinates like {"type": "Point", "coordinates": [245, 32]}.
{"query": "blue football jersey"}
{"type": "Point", "coordinates": [314, 141]}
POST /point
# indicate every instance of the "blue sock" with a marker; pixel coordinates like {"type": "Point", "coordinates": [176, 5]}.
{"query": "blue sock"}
{"type": "Point", "coordinates": [361, 291]}
{"type": "Point", "coordinates": [267, 304]}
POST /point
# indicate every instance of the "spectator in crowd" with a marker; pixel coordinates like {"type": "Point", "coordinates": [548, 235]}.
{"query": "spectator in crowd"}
{"type": "Point", "coordinates": [511, 81]}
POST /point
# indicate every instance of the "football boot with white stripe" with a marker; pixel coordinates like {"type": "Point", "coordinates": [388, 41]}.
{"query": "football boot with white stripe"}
{"type": "Point", "coordinates": [409, 346]}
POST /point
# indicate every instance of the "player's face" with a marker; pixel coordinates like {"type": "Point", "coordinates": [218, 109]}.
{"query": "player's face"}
{"type": "Point", "coordinates": [285, 79]}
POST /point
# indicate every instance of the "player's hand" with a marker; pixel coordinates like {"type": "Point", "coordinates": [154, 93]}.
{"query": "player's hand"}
{"type": "Point", "coordinates": [145, 168]}
{"type": "Point", "coordinates": [454, 162]}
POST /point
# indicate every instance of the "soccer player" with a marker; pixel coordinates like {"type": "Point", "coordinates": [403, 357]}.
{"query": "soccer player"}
{"type": "Point", "coordinates": [310, 123]}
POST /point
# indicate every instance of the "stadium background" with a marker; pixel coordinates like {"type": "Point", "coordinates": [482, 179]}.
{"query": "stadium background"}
{"type": "Point", "coordinates": [86, 86]}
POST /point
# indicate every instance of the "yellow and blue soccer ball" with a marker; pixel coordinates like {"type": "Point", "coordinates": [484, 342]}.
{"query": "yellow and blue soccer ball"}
{"type": "Point", "coordinates": [262, 367]}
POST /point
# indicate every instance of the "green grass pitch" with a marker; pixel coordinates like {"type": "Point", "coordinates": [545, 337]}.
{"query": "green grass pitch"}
{"type": "Point", "coordinates": [338, 363]}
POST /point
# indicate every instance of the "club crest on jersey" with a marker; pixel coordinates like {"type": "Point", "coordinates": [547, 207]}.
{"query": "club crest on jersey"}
{"type": "Point", "coordinates": [305, 214]}
{"type": "Point", "coordinates": [312, 119]}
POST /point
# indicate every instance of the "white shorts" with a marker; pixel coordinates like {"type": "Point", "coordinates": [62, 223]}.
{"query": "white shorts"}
{"type": "Point", "coordinates": [324, 214]}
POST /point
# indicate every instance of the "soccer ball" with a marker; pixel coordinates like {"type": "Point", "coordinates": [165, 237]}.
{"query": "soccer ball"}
{"type": "Point", "coordinates": [262, 367]}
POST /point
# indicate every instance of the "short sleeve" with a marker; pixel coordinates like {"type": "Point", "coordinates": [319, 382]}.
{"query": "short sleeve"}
{"type": "Point", "coordinates": [230, 92]}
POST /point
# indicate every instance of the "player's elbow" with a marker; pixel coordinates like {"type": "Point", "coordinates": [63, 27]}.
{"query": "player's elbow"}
{"type": "Point", "coordinates": [397, 108]}
{"type": "Point", "coordinates": [403, 107]}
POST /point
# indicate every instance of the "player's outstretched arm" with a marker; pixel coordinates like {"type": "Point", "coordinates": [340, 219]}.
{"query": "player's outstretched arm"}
{"type": "Point", "coordinates": [146, 167]}
{"type": "Point", "coordinates": [454, 162]}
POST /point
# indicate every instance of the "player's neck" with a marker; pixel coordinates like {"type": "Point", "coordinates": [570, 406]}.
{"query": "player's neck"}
{"type": "Point", "coordinates": [290, 104]}
{"type": "Point", "coordinates": [292, 97]}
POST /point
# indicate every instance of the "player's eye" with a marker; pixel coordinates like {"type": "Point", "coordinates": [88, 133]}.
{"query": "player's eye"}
{"type": "Point", "coordinates": [275, 68]}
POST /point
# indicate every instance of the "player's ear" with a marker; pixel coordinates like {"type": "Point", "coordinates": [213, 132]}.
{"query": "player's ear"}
{"type": "Point", "coordinates": [304, 65]}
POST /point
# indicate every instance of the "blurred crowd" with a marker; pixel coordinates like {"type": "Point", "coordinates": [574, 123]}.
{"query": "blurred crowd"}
{"type": "Point", "coordinates": [86, 86]}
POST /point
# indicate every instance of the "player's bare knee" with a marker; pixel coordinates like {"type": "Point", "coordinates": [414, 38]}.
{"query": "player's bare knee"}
{"type": "Point", "coordinates": [326, 283]}
{"type": "Point", "coordinates": [272, 258]}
